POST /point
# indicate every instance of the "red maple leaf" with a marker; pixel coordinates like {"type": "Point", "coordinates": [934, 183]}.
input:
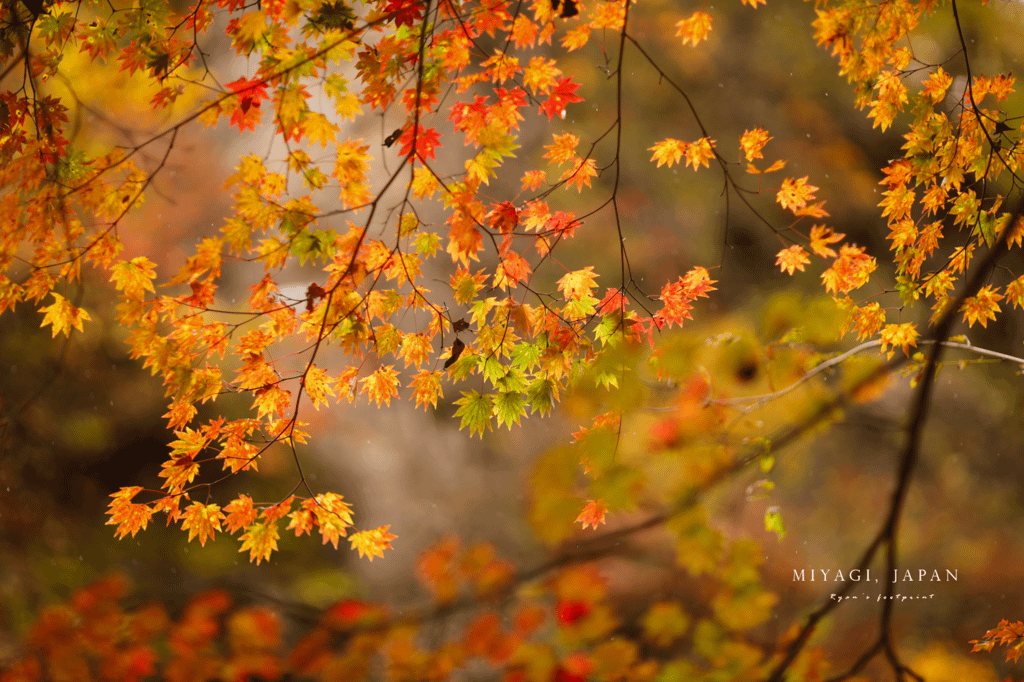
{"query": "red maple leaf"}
{"type": "Point", "coordinates": [406, 12]}
{"type": "Point", "coordinates": [562, 94]}
{"type": "Point", "coordinates": [426, 141]}
{"type": "Point", "coordinates": [251, 93]}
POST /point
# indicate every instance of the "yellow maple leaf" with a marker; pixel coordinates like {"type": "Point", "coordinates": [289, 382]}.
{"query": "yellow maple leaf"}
{"type": "Point", "coordinates": [700, 152]}
{"type": "Point", "coordinates": [867, 320]}
{"type": "Point", "coordinates": [202, 520]}
{"type": "Point", "coordinates": [578, 284]}
{"type": "Point", "coordinates": [694, 28]}
{"type": "Point", "coordinates": [382, 385]}
{"type": "Point", "coordinates": [260, 539]}
{"type": "Point", "coordinates": [371, 543]}
{"type": "Point", "coordinates": [793, 258]}
{"type": "Point", "coordinates": [330, 512]}
{"type": "Point", "coordinates": [63, 315]}
{"type": "Point", "coordinates": [935, 85]}
{"type": "Point", "coordinates": [134, 277]}
{"type": "Point", "coordinates": [902, 335]}
{"type": "Point", "coordinates": [667, 152]}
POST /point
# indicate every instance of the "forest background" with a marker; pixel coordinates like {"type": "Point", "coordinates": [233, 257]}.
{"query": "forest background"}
{"type": "Point", "coordinates": [82, 418]}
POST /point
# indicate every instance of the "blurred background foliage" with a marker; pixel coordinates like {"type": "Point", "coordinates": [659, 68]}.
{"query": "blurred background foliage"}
{"type": "Point", "coordinates": [81, 419]}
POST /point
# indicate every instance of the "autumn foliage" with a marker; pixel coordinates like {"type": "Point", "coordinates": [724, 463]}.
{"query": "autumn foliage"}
{"type": "Point", "coordinates": [438, 277]}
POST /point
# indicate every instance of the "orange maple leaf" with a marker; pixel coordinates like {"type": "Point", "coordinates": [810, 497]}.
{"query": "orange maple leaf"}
{"type": "Point", "coordinates": [753, 141]}
{"type": "Point", "coordinates": [795, 194]}
{"type": "Point", "coordinates": [694, 28]}
{"type": "Point", "coordinates": [580, 174]}
{"type": "Point", "coordinates": [982, 307]}
{"type": "Point", "coordinates": [821, 237]}
{"type": "Point", "coordinates": [202, 520]}
{"type": "Point", "coordinates": [240, 513]}
{"type": "Point", "coordinates": [382, 385]}
{"type": "Point", "coordinates": [593, 513]}
{"type": "Point", "coordinates": [129, 517]}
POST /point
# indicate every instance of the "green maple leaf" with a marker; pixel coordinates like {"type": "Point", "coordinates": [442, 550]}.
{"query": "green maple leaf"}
{"type": "Point", "coordinates": [475, 411]}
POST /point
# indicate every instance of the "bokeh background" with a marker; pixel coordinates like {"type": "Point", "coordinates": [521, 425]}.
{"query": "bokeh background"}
{"type": "Point", "coordinates": [81, 418]}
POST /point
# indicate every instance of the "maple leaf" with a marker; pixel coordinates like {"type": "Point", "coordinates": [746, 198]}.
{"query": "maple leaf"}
{"type": "Point", "coordinates": [405, 12]}
{"type": "Point", "coordinates": [332, 514]}
{"type": "Point", "coordinates": [426, 142]}
{"type": "Point", "coordinates": [700, 152]}
{"type": "Point", "coordinates": [592, 514]}
{"type": "Point", "coordinates": [371, 543]}
{"type": "Point", "coordinates": [63, 315]}
{"type": "Point", "coordinates": [179, 471]}
{"type": "Point", "coordinates": [752, 142]}
{"type": "Point", "coordinates": [850, 271]}
{"type": "Point", "coordinates": [129, 517]}
{"type": "Point", "coordinates": [261, 540]}
{"type": "Point", "coordinates": [533, 179]}
{"type": "Point", "coordinates": [202, 520]}
{"type": "Point", "coordinates": [867, 320]}
{"type": "Point", "coordinates": [240, 513]}
{"type": "Point", "coordinates": [821, 237]}
{"type": "Point", "coordinates": [669, 151]}
{"type": "Point", "coordinates": [576, 37]}
{"type": "Point", "coordinates": [512, 270]}
{"type": "Point", "coordinates": [580, 174]}
{"type": "Point", "coordinates": [694, 28]}
{"type": "Point", "coordinates": [382, 385]}
{"type": "Point", "coordinates": [1015, 292]}
{"type": "Point", "coordinates": [902, 335]}
{"type": "Point", "coordinates": [426, 388]}
{"type": "Point", "coordinates": [540, 75]}
{"type": "Point", "coordinates": [578, 284]}
{"type": "Point", "coordinates": [795, 194]}
{"type": "Point", "coordinates": [475, 411]}
{"type": "Point", "coordinates": [792, 258]}
{"type": "Point", "coordinates": [318, 385]}
{"type": "Point", "coordinates": [935, 86]}
{"type": "Point", "coordinates": [524, 32]}
{"type": "Point", "coordinates": [562, 93]}
{"type": "Point", "coordinates": [246, 114]}
{"type": "Point", "coordinates": [677, 296]}
{"type": "Point", "coordinates": [982, 307]}
{"type": "Point", "coordinates": [563, 149]}
{"type": "Point", "coordinates": [134, 277]}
